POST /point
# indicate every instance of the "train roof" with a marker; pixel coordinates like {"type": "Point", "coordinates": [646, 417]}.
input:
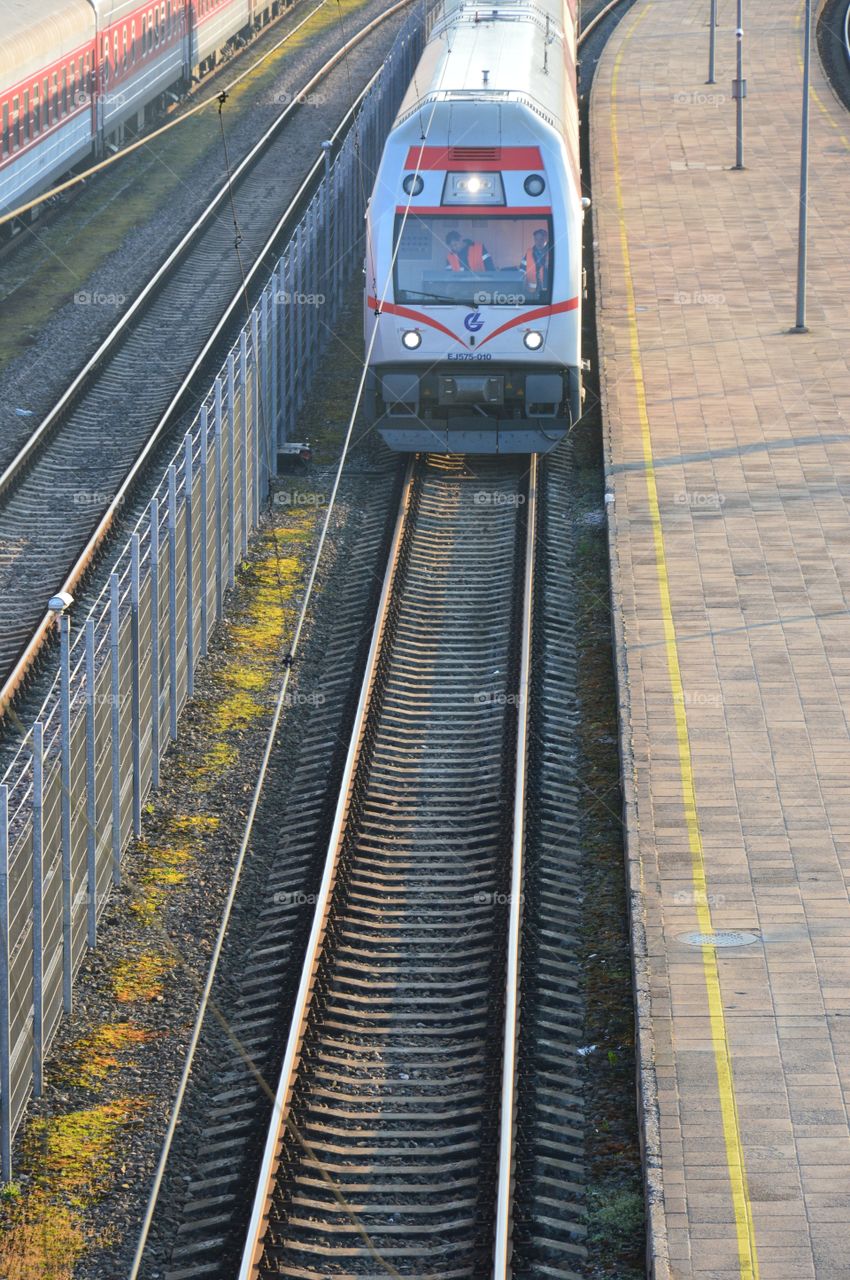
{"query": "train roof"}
{"type": "Point", "coordinates": [34, 35]}
{"type": "Point", "coordinates": [502, 51]}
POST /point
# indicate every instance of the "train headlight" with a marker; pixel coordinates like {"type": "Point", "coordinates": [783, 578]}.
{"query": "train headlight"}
{"type": "Point", "coordinates": [411, 338]}
{"type": "Point", "coordinates": [413, 184]}
{"type": "Point", "coordinates": [533, 340]}
{"type": "Point", "coordinates": [535, 184]}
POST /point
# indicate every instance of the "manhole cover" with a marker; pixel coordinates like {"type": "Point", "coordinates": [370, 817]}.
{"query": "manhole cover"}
{"type": "Point", "coordinates": [720, 938]}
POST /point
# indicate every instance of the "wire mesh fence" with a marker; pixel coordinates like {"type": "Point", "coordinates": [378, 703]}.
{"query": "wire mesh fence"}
{"type": "Point", "coordinates": [72, 797]}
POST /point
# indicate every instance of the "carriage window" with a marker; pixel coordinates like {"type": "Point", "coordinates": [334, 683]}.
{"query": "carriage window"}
{"type": "Point", "coordinates": [474, 260]}
{"type": "Point", "coordinates": [132, 42]}
{"type": "Point", "coordinates": [168, 20]}
{"type": "Point", "coordinates": [26, 115]}
{"type": "Point", "coordinates": [150, 30]}
{"type": "Point", "coordinates": [144, 34]}
{"type": "Point", "coordinates": [124, 46]}
{"type": "Point", "coordinates": [64, 98]}
{"type": "Point", "coordinates": [46, 95]}
{"type": "Point", "coordinates": [106, 60]}
{"type": "Point", "coordinates": [115, 52]}
{"type": "Point", "coordinates": [16, 123]}
{"type": "Point", "coordinates": [36, 111]}
{"type": "Point", "coordinates": [72, 85]}
{"type": "Point", "coordinates": [6, 140]}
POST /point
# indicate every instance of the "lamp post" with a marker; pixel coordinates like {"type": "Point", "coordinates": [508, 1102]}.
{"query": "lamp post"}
{"type": "Point", "coordinates": [739, 90]}
{"type": "Point", "coordinates": [712, 42]}
{"type": "Point", "coordinates": [800, 326]}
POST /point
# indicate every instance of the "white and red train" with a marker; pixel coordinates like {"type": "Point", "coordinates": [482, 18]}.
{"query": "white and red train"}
{"type": "Point", "coordinates": [474, 230]}
{"type": "Point", "coordinates": [75, 73]}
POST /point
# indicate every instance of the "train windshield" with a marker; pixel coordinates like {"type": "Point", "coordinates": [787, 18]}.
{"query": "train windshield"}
{"type": "Point", "coordinates": [475, 261]}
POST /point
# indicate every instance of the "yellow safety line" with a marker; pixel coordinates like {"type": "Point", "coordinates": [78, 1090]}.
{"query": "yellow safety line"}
{"type": "Point", "coordinates": [747, 1254]}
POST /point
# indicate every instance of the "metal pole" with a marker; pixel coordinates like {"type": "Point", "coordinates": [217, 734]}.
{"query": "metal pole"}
{"type": "Point", "coordinates": [172, 602]}
{"type": "Point", "coordinates": [739, 90]}
{"type": "Point", "coordinates": [243, 436]}
{"type": "Point", "coordinates": [37, 909]}
{"type": "Point", "coordinates": [115, 648]}
{"type": "Point", "coordinates": [803, 225]}
{"type": "Point", "coordinates": [189, 485]}
{"type": "Point", "coordinates": [205, 533]}
{"type": "Point", "coordinates": [712, 42]}
{"type": "Point", "coordinates": [135, 686]}
{"type": "Point", "coordinates": [65, 811]}
{"type": "Point", "coordinates": [5, 997]}
{"type": "Point", "coordinates": [155, 644]}
{"type": "Point", "coordinates": [91, 786]}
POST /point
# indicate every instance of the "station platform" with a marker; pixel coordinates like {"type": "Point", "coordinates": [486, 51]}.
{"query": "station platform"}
{"type": "Point", "coordinates": [728, 469]}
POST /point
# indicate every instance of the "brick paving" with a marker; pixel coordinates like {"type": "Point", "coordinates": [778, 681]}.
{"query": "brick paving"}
{"type": "Point", "coordinates": [750, 437]}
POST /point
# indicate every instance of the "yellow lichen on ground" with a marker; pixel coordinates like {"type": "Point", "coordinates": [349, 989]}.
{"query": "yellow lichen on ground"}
{"type": "Point", "coordinates": [166, 868]}
{"type": "Point", "coordinates": [140, 979]}
{"type": "Point", "coordinates": [73, 1157]}
{"type": "Point", "coordinates": [93, 1057]}
{"type": "Point", "coordinates": [39, 1239]}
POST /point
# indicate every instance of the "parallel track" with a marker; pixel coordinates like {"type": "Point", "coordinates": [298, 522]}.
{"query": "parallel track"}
{"type": "Point", "coordinates": [64, 489]}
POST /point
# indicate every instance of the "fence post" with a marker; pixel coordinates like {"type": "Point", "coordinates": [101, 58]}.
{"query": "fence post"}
{"type": "Point", "coordinates": [37, 908]}
{"type": "Point", "coordinates": [189, 483]}
{"type": "Point", "coordinates": [65, 740]}
{"type": "Point", "coordinates": [243, 433]}
{"type": "Point", "coordinates": [256, 461]}
{"type": "Point", "coordinates": [172, 601]}
{"type": "Point", "coordinates": [231, 473]}
{"type": "Point", "coordinates": [205, 532]}
{"type": "Point", "coordinates": [326, 274]}
{"type": "Point", "coordinates": [297, 311]}
{"type": "Point", "coordinates": [115, 653]}
{"type": "Point", "coordinates": [91, 787]}
{"type": "Point", "coordinates": [135, 691]}
{"type": "Point", "coordinates": [5, 997]}
{"type": "Point", "coordinates": [219, 506]}
{"type": "Point", "coordinates": [155, 654]}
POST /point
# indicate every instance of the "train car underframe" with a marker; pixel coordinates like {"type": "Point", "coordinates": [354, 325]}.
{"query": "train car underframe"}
{"type": "Point", "coordinates": [473, 408]}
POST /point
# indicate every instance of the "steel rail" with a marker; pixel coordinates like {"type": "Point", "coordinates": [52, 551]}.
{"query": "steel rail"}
{"type": "Point", "coordinates": [507, 1127]}
{"type": "Point", "coordinates": [265, 1184]}
{"type": "Point", "coordinates": [847, 33]}
{"type": "Point", "coordinates": [15, 469]}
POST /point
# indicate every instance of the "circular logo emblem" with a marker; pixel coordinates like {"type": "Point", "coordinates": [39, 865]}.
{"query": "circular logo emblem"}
{"type": "Point", "coordinates": [473, 321]}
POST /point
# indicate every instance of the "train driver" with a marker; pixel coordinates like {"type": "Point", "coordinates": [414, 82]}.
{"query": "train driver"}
{"type": "Point", "coordinates": [536, 261]}
{"type": "Point", "coordinates": [467, 255]}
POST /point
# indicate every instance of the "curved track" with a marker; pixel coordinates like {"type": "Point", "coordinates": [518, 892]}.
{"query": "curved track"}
{"type": "Point", "coordinates": [833, 36]}
{"type": "Point", "coordinates": [53, 494]}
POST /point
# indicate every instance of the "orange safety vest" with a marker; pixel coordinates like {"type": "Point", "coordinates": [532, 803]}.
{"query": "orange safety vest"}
{"type": "Point", "coordinates": [531, 267]}
{"type": "Point", "coordinates": [474, 256]}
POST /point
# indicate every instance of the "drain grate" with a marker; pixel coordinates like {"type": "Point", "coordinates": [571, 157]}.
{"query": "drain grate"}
{"type": "Point", "coordinates": [720, 938]}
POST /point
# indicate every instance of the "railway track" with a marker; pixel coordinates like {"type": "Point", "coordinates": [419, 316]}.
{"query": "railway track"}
{"type": "Point", "coordinates": [64, 489]}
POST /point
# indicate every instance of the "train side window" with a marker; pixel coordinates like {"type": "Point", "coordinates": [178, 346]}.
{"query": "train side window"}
{"type": "Point", "coordinates": [150, 30]}
{"type": "Point", "coordinates": [72, 85]}
{"type": "Point", "coordinates": [64, 98]}
{"type": "Point", "coordinates": [124, 47]}
{"type": "Point", "coordinates": [106, 59]}
{"type": "Point", "coordinates": [115, 62]}
{"type": "Point", "coordinates": [5, 139]}
{"type": "Point", "coordinates": [144, 34]}
{"type": "Point", "coordinates": [54, 97]}
{"type": "Point", "coordinates": [168, 20]}
{"type": "Point", "coordinates": [26, 115]}
{"type": "Point", "coordinates": [36, 110]}
{"type": "Point", "coordinates": [156, 27]}
{"type": "Point", "coordinates": [133, 42]}
{"type": "Point", "coordinates": [46, 98]}
{"type": "Point", "coordinates": [16, 123]}
{"type": "Point", "coordinates": [88, 83]}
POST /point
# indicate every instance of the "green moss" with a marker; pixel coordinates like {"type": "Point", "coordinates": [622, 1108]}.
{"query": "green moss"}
{"type": "Point", "coordinates": [92, 1058]}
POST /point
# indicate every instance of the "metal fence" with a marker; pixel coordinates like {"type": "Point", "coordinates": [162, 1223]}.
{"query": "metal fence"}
{"type": "Point", "coordinates": [72, 797]}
